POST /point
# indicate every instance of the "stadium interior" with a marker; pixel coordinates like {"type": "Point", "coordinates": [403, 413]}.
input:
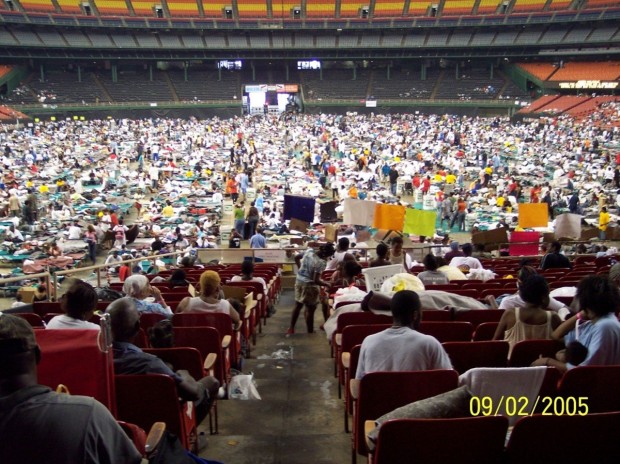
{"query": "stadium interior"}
{"type": "Point", "coordinates": [98, 59]}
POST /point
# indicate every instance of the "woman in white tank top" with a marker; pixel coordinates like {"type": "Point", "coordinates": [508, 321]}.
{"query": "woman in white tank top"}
{"type": "Point", "coordinates": [532, 321]}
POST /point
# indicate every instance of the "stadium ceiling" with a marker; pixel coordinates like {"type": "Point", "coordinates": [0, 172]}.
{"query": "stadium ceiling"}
{"type": "Point", "coordinates": [596, 38]}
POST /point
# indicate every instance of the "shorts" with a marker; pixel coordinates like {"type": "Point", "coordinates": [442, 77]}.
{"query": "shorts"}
{"type": "Point", "coordinates": [307, 294]}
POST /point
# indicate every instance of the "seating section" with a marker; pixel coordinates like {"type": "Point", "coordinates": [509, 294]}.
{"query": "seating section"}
{"type": "Point", "coordinates": [111, 7]}
{"type": "Point", "coordinates": [133, 86]}
{"type": "Point", "coordinates": [63, 87]}
{"type": "Point", "coordinates": [540, 71]}
{"type": "Point", "coordinates": [488, 6]}
{"type": "Point", "coordinates": [142, 7]}
{"type": "Point", "coordinates": [404, 84]}
{"type": "Point", "coordinates": [38, 5]}
{"type": "Point", "coordinates": [340, 84]}
{"type": "Point", "coordinates": [252, 9]}
{"type": "Point", "coordinates": [282, 8]}
{"type": "Point", "coordinates": [388, 8]}
{"type": "Point", "coordinates": [528, 5]}
{"type": "Point", "coordinates": [603, 71]}
{"type": "Point", "coordinates": [351, 8]}
{"type": "Point", "coordinates": [457, 7]}
{"type": "Point", "coordinates": [419, 7]}
{"type": "Point", "coordinates": [320, 9]}
{"type": "Point", "coordinates": [68, 6]}
{"type": "Point", "coordinates": [561, 104]}
{"type": "Point", "coordinates": [214, 9]}
{"type": "Point", "coordinates": [472, 84]}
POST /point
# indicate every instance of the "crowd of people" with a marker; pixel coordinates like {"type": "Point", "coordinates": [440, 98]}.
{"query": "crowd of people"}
{"type": "Point", "coordinates": [69, 179]}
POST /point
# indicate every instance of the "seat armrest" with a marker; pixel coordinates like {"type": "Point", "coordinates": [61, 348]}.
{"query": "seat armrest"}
{"type": "Point", "coordinates": [346, 359]}
{"type": "Point", "coordinates": [354, 388]}
{"type": "Point", "coordinates": [369, 426]}
{"type": "Point", "coordinates": [210, 361]}
{"type": "Point", "coordinates": [154, 437]}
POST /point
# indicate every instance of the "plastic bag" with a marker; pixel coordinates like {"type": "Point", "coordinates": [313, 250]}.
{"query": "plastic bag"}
{"type": "Point", "coordinates": [402, 282]}
{"type": "Point", "coordinates": [242, 387]}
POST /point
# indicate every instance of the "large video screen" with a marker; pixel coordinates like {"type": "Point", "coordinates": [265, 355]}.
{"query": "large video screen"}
{"type": "Point", "coordinates": [314, 64]}
{"type": "Point", "coordinates": [230, 64]}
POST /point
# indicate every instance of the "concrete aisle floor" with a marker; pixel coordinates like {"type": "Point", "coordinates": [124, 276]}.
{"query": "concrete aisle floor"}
{"type": "Point", "coordinates": [299, 419]}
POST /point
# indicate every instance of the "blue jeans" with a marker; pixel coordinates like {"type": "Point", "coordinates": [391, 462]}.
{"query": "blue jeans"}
{"type": "Point", "coordinates": [239, 225]}
{"type": "Point", "coordinates": [393, 189]}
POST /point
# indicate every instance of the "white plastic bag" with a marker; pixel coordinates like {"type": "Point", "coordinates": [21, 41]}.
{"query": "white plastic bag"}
{"type": "Point", "coordinates": [242, 387]}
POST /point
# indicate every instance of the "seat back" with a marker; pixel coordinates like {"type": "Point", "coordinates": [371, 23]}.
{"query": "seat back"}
{"type": "Point", "coordinates": [355, 334]}
{"type": "Point", "coordinates": [181, 357]}
{"type": "Point", "coordinates": [485, 331]}
{"type": "Point", "coordinates": [148, 320]}
{"type": "Point", "coordinates": [44, 307]}
{"type": "Point", "coordinates": [448, 331]}
{"type": "Point", "coordinates": [32, 318]}
{"type": "Point", "coordinates": [436, 315]}
{"type": "Point", "coordinates": [220, 321]}
{"type": "Point", "coordinates": [146, 399]}
{"type": "Point", "coordinates": [382, 392]}
{"type": "Point", "coordinates": [206, 340]}
{"type": "Point", "coordinates": [526, 352]}
{"type": "Point", "coordinates": [467, 355]}
{"type": "Point", "coordinates": [360, 318]}
{"type": "Point", "coordinates": [599, 445]}
{"type": "Point", "coordinates": [478, 316]}
{"type": "Point", "coordinates": [478, 440]}
{"type": "Point", "coordinates": [90, 370]}
{"type": "Point", "coordinates": [599, 384]}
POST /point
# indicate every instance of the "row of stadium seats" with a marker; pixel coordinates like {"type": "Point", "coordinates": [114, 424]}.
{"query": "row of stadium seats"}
{"type": "Point", "coordinates": [573, 71]}
{"type": "Point", "coordinates": [307, 8]}
{"type": "Point", "coordinates": [132, 85]}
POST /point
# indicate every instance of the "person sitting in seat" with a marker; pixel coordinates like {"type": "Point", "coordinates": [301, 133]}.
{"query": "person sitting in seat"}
{"type": "Point", "coordinates": [431, 276]}
{"type": "Point", "coordinates": [382, 251]}
{"type": "Point", "coordinates": [402, 347]}
{"type": "Point", "coordinates": [209, 299]}
{"type": "Point", "coordinates": [39, 425]}
{"type": "Point", "coordinates": [129, 359]}
{"type": "Point", "coordinates": [247, 275]}
{"type": "Point", "coordinates": [78, 305]}
{"type": "Point", "coordinates": [148, 299]}
{"type": "Point", "coordinates": [531, 320]}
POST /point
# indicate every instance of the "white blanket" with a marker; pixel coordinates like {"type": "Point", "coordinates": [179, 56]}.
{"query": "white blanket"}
{"type": "Point", "coordinates": [512, 390]}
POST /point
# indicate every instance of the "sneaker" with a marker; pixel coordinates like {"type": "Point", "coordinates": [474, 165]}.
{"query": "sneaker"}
{"type": "Point", "coordinates": [290, 332]}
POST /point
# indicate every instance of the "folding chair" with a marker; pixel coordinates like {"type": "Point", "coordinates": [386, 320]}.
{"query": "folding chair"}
{"type": "Point", "coordinates": [146, 399]}
{"type": "Point", "coordinates": [467, 355]}
{"type": "Point", "coordinates": [531, 436]}
{"type": "Point", "coordinates": [382, 392]}
{"type": "Point", "coordinates": [599, 384]}
{"type": "Point", "coordinates": [475, 440]}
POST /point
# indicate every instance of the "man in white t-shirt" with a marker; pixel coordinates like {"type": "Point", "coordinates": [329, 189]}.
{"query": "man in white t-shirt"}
{"type": "Point", "coordinates": [466, 260]}
{"type": "Point", "coordinates": [402, 347]}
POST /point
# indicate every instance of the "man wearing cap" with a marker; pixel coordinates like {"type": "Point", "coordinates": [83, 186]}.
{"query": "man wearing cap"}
{"type": "Point", "coordinates": [38, 425]}
{"type": "Point", "coordinates": [454, 251]}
